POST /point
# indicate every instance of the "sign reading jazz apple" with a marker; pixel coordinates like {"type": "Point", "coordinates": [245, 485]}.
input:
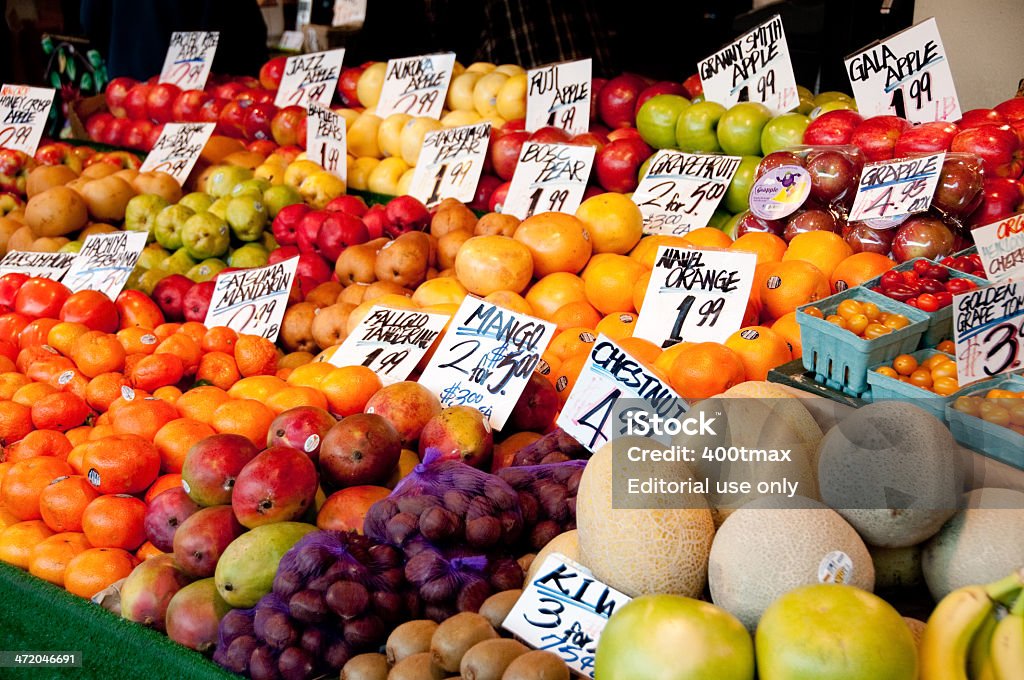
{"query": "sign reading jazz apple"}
{"type": "Point", "coordinates": [559, 96]}
{"type": "Point", "coordinates": [23, 114]}
{"type": "Point", "coordinates": [310, 78]}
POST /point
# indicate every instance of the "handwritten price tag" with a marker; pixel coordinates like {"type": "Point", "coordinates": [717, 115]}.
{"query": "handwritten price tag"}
{"type": "Point", "coordinates": [177, 149]}
{"type": "Point", "coordinates": [325, 140]}
{"type": "Point", "coordinates": [486, 358]}
{"type": "Point", "coordinates": [189, 59]}
{"type": "Point", "coordinates": [416, 85]}
{"type": "Point", "coordinates": [755, 67]}
{"type": "Point", "coordinates": [905, 75]}
{"type": "Point", "coordinates": [23, 114]}
{"type": "Point", "coordinates": [898, 187]}
{"type": "Point", "coordinates": [291, 41]}
{"type": "Point", "coordinates": [310, 78]}
{"type": "Point", "coordinates": [349, 13]}
{"type": "Point", "coordinates": [105, 262]}
{"type": "Point", "coordinates": [559, 96]}
{"type": "Point", "coordinates": [549, 178]}
{"type": "Point", "coordinates": [253, 301]}
{"type": "Point", "coordinates": [390, 342]}
{"type": "Point", "coordinates": [563, 611]}
{"type": "Point", "coordinates": [1001, 248]}
{"type": "Point", "coordinates": [46, 265]}
{"type": "Point", "coordinates": [680, 191]}
{"type": "Point", "coordinates": [450, 164]}
{"type": "Point", "coordinates": [988, 329]}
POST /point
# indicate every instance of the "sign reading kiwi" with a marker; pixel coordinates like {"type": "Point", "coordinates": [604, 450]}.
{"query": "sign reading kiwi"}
{"type": "Point", "coordinates": [252, 301]}
{"type": "Point", "coordinates": [23, 114]}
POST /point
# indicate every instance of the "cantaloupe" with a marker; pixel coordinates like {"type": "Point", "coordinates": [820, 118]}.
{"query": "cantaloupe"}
{"type": "Point", "coordinates": [775, 544]}
{"type": "Point", "coordinates": [567, 544]}
{"type": "Point", "coordinates": [980, 544]}
{"type": "Point", "coordinates": [897, 567]}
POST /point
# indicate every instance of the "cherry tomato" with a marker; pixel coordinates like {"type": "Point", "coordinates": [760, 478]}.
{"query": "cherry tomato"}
{"type": "Point", "coordinates": [947, 261]}
{"type": "Point", "coordinates": [39, 297]}
{"type": "Point", "coordinates": [891, 278]}
{"type": "Point", "coordinates": [926, 302]}
{"type": "Point", "coordinates": [957, 286]}
{"type": "Point", "coordinates": [871, 310]}
{"type": "Point", "coordinates": [959, 264]}
{"type": "Point", "coordinates": [921, 267]}
{"type": "Point", "coordinates": [976, 267]}
{"type": "Point", "coordinates": [905, 364]}
{"type": "Point", "coordinates": [910, 277]}
{"type": "Point", "coordinates": [945, 386]}
{"type": "Point", "coordinates": [9, 285]}
{"type": "Point", "coordinates": [901, 293]}
{"type": "Point", "coordinates": [922, 378]}
{"type": "Point", "coordinates": [887, 371]}
{"type": "Point", "coordinates": [876, 330]}
{"type": "Point", "coordinates": [932, 286]}
{"type": "Point", "coordinates": [947, 346]}
{"type": "Point", "coordinates": [814, 311]}
{"type": "Point", "coordinates": [912, 302]}
{"type": "Point", "coordinates": [937, 273]}
{"type": "Point", "coordinates": [945, 298]}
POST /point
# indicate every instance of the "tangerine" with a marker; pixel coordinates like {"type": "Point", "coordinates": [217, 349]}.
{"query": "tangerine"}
{"type": "Point", "coordinates": [704, 369]}
{"type": "Point", "coordinates": [25, 481]}
{"type": "Point", "coordinates": [121, 463]}
{"type": "Point", "coordinates": [60, 411]}
{"type": "Point", "coordinates": [614, 222]}
{"type": "Point", "coordinates": [608, 283]}
{"type": "Point", "coordinates": [760, 349]}
{"type": "Point", "coordinates": [115, 521]}
{"type": "Point", "coordinates": [824, 249]}
{"type": "Point", "coordinates": [246, 417]}
{"type": "Point", "coordinates": [553, 292]}
{"type": "Point", "coordinates": [62, 502]}
{"type": "Point", "coordinates": [859, 268]}
{"type": "Point", "coordinates": [767, 246]}
{"type": "Point", "coordinates": [558, 242]}
{"type": "Point", "coordinates": [96, 352]}
{"type": "Point", "coordinates": [255, 355]}
{"type": "Point", "coordinates": [18, 540]}
{"type": "Point", "coordinates": [49, 558]}
{"type": "Point", "coordinates": [617, 325]}
{"type": "Point", "coordinates": [349, 388]}
{"type": "Point", "coordinates": [175, 438]}
{"type": "Point", "coordinates": [143, 417]}
{"type": "Point", "coordinates": [92, 570]}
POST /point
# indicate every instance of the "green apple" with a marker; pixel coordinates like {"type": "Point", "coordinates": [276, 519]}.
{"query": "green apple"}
{"type": "Point", "coordinates": [178, 262]}
{"type": "Point", "coordinates": [206, 270]}
{"type": "Point", "coordinates": [151, 256]}
{"type": "Point", "coordinates": [250, 187]}
{"type": "Point", "coordinates": [738, 193]}
{"type": "Point", "coordinates": [643, 167]}
{"type": "Point", "coordinates": [206, 235]}
{"type": "Point", "coordinates": [832, 96]}
{"type": "Point", "coordinates": [739, 130]}
{"type": "Point", "coordinates": [732, 224]}
{"type": "Point", "coordinates": [834, 105]}
{"type": "Point", "coordinates": [223, 179]}
{"type": "Point", "coordinates": [806, 106]}
{"type": "Point", "coordinates": [268, 241]}
{"type": "Point", "coordinates": [248, 256]}
{"type": "Point", "coordinates": [719, 218]}
{"type": "Point", "coordinates": [804, 92]}
{"type": "Point", "coordinates": [71, 247]}
{"type": "Point", "coordinates": [141, 211]}
{"type": "Point", "coordinates": [783, 132]}
{"type": "Point", "coordinates": [696, 130]}
{"type": "Point", "coordinates": [169, 224]}
{"type": "Point", "coordinates": [198, 201]}
{"type": "Point", "coordinates": [280, 196]}
{"type": "Point", "coordinates": [147, 282]}
{"type": "Point", "coordinates": [656, 120]}
{"type": "Point", "coordinates": [247, 217]}
{"type": "Point", "coordinates": [220, 207]}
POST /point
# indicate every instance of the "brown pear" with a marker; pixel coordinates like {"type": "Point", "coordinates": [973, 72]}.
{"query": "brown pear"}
{"type": "Point", "coordinates": [452, 217]}
{"type": "Point", "coordinates": [159, 183]}
{"type": "Point", "coordinates": [330, 324]}
{"type": "Point", "coordinates": [353, 293]}
{"type": "Point", "coordinates": [297, 328]}
{"type": "Point", "coordinates": [356, 264]}
{"type": "Point", "coordinates": [325, 294]}
{"type": "Point", "coordinates": [107, 198]}
{"type": "Point", "coordinates": [46, 176]}
{"type": "Point", "coordinates": [496, 224]}
{"type": "Point", "coordinates": [57, 211]}
{"type": "Point", "coordinates": [404, 261]}
{"type": "Point", "coordinates": [448, 245]}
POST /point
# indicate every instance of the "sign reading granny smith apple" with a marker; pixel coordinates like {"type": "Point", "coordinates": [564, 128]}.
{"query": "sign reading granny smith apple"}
{"type": "Point", "coordinates": [252, 301]}
{"type": "Point", "coordinates": [325, 140]}
{"type": "Point", "coordinates": [105, 262]}
{"type": "Point", "coordinates": [349, 13]}
{"type": "Point", "coordinates": [390, 342]}
{"type": "Point", "coordinates": [755, 67]}
{"type": "Point", "coordinates": [559, 96]}
{"type": "Point", "coordinates": [416, 85]}
{"type": "Point", "coordinates": [680, 191]}
{"type": "Point", "coordinates": [24, 111]}
{"type": "Point", "coordinates": [988, 324]}
{"type": "Point", "coordinates": [189, 59]}
{"type": "Point", "coordinates": [46, 265]}
{"type": "Point", "coordinates": [177, 149]}
{"type": "Point", "coordinates": [310, 78]}
{"type": "Point", "coordinates": [450, 163]}
{"type": "Point", "coordinates": [1000, 247]}
{"type": "Point", "coordinates": [549, 178]}
{"type": "Point", "coordinates": [905, 75]}
{"type": "Point", "coordinates": [903, 186]}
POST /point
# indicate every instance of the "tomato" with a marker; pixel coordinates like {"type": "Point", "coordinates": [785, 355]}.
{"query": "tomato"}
{"type": "Point", "coordinates": [957, 286]}
{"type": "Point", "coordinates": [976, 266]}
{"type": "Point", "coordinates": [40, 297]}
{"type": "Point", "coordinates": [138, 310]}
{"type": "Point", "coordinates": [926, 302]}
{"type": "Point", "coordinates": [891, 278]}
{"type": "Point", "coordinates": [921, 267]}
{"type": "Point", "coordinates": [945, 298]}
{"type": "Point", "coordinates": [922, 378]}
{"type": "Point", "coordinates": [92, 308]}
{"type": "Point", "coordinates": [905, 364]}
{"type": "Point", "coordinates": [9, 285]}
{"type": "Point", "coordinates": [901, 293]}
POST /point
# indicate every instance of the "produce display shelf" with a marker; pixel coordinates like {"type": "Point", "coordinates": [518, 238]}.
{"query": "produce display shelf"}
{"type": "Point", "coordinates": [793, 374]}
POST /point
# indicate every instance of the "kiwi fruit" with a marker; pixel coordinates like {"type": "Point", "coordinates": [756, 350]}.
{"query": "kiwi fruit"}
{"type": "Point", "coordinates": [412, 637]}
{"type": "Point", "coordinates": [536, 665]}
{"type": "Point", "coordinates": [489, 659]}
{"type": "Point", "coordinates": [416, 667]}
{"type": "Point", "coordinates": [455, 636]}
{"type": "Point", "coordinates": [365, 667]}
{"type": "Point", "coordinates": [496, 608]}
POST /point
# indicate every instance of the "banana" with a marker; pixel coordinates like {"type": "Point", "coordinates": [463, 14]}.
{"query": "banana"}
{"type": "Point", "coordinates": [979, 658]}
{"type": "Point", "coordinates": [1008, 644]}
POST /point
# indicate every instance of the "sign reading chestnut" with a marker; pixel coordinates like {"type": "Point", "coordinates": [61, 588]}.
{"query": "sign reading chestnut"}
{"type": "Point", "coordinates": [450, 163]}
{"type": "Point", "coordinates": [1001, 248]}
{"type": "Point", "coordinates": [46, 265]}
{"type": "Point", "coordinates": [252, 301]}
{"type": "Point", "coordinates": [189, 59]}
{"type": "Point", "coordinates": [680, 191]}
{"type": "Point", "coordinates": [905, 75]}
{"type": "Point", "coordinates": [988, 330]}
{"type": "Point", "coordinates": [898, 187]}
{"type": "Point", "coordinates": [177, 149]}
{"type": "Point", "coordinates": [549, 178]}
{"type": "Point", "coordinates": [23, 114]}
{"type": "Point", "coordinates": [325, 140]}
{"type": "Point", "coordinates": [416, 85]}
{"type": "Point", "coordinates": [105, 262]}
{"type": "Point", "coordinates": [559, 96]}
{"type": "Point", "coordinates": [309, 78]}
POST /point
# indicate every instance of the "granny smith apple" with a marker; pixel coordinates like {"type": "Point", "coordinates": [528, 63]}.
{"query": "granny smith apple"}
{"type": "Point", "coordinates": [248, 256]}
{"type": "Point", "coordinates": [178, 262]}
{"type": "Point", "coordinates": [71, 247]}
{"type": "Point", "coordinates": [719, 218]}
{"type": "Point", "coordinates": [738, 193]}
{"type": "Point", "coordinates": [656, 120]}
{"type": "Point", "coordinates": [804, 92]}
{"type": "Point", "coordinates": [151, 256]}
{"type": "Point", "coordinates": [223, 179]}
{"type": "Point", "coordinates": [280, 196]}
{"type": "Point", "coordinates": [644, 166]}
{"type": "Point", "coordinates": [268, 241]}
{"type": "Point", "coordinates": [731, 225]}
{"type": "Point", "coordinates": [141, 211]}
{"type": "Point", "coordinates": [169, 224]}
{"type": "Point", "coordinates": [206, 270]}
{"type": "Point", "coordinates": [206, 235]}
{"type": "Point", "coordinates": [783, 132]}
{"type": "Point", "coordinates": [739, 130]}
{"type": "Point", "coordinates": [250, 187]}
{"type": "Point", "coordinates": [832, 96]}
{"type": "Point", "coordinates": [220, 207]}
{"type": "Point", "coordinates": [834, 105]}
{"type": "Point", "coordinates": [697, 127]}
{"type": "Point", "coordinates": [806, 106]}
{"type": "Point", "coordinates": [198, 201]}
{"type": "Point", "coordinates": [247, 217]}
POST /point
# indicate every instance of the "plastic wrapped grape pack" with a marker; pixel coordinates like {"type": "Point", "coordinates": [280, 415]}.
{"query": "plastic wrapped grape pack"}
{"type": "Point", "coordinates": [547, 498]}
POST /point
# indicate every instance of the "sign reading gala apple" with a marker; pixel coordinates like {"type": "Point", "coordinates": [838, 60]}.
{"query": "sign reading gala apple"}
{"type": "Point", "coordinates": [898, 187]}
{"type": "Point", "coordinates": [310, 78]}
{"type": "Point", "coordinates": [325, 140]}
{"type": "Point", "coordinates": [252, 301]}
{"type": "Point", "coordinates": [450, 163]}
{"type": "Point", "coordinates": [105, 262]}
{"type": "Point", "coordinates": [23, 114]}
{"type": "Point", "coordinates": [988, 324]}
{"type": "Point", "coordinates": [1000, 247]}
{"type": "Point", "coordinates": [390, 342]}
{"type": "Point", "coordinates": [416, 85]}
{"type": "Point", "coordinates": [549, 178]}
{"type": "Point", "coordinates": [178, 148]}
{"type": "Point", "coordinates": [189, 59]}
{"type": "Point", "coordinates": [680, 191]}
{"type": "Point", "coordinates": [559, 96]}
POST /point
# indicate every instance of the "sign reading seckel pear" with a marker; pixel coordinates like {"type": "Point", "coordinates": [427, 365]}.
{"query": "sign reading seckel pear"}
{"type": "Point", "coordinates": [416, 85]}
{"type": "Point", "coordinates": [988, 328]}
{"type": "Point", "coordinates": [23, 114]}
{"type": "Point", "coordinates": [549, 178]}
{"type": "Point", "coordinates": [390, 342]}
{"type": "Point", "coordinates": [680, 191]}
{"type": "Point", "coordinates": [177, 149]}
{"type": "Point", "coordinates": [252, 301]}
{"type": "Point", "coordinates": [325, 140]}
{"type": "Point", "coordinates": [897, 187]}
{"type": "Point", "coordinates": [450, 164]}
{"type": "Point", "coordinates": [559, 96]}
{"type": "Point", "coordinates": [1001, 248]}
{"type": "Point", "coordinates": [105, 262]}
{"type": "Point", "coordinates": [310, 78]}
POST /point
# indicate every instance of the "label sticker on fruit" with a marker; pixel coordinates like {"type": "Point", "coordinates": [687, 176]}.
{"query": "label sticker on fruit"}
{"type": "Point", "coordinates": [988, 325]}
{"type": "Point", "coordinates": [291, 41]}
{"type": "Point", "coordinates": [897, 187]}
{"type": "Point", "coordinates": [189, 59]}
{"type": "Point", "coordinates": [549, 178]}
{"type": "Point", "coordinates": [349, 13]}
{"type": "Point", "coordinates": [559, 96]}
{"type": "Point", "coordinates": [695, 295]}
{"type": "Point", "coordinates": [450, 164]}
{"type": "Point", "coordinates": [755, 67]}
{"type": "Point", "coordinates": [1001, 248]}
{"type": "Point", "coordinates": [780, 192]}
{"type": "Point", "coordinates": [905, 75]}
{"type": "Point", "coordinates": [486, 358]}
{"type": "Point", "coordinates": [310, 78]}
{"type": "Point", "coordinates": [177, 149]}
{"type": "Point", "coordinates": [680, 191]}
{"type": "Point", "coordinates": [23, 114]}
{"type": "Point", "coordinates": [390, 342]}
{"type": "Point", "coordinates": [46, 265]}
{"type": "Point", "coordinates": [416, 85]}
{"type": "Point", "coordinates": [325, 140]}
{"type": "Point", "coordinates": [105, 262]}
{"type": "Point", "coordinates": [252, 301]}
{"type": "Point", "coordinates": [563, 611]}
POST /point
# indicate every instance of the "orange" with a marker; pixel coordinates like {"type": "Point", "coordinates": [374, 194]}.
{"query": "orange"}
{"type": "Point", "coordinates": [642, 350]}
{"type": "Point", "coordinates": [858, 268]}
{"type": "Point", "coordinates": [137, 340]}
{"type": "Point", "coordinates": [760, 348]}
{"type": "Point", "coordinates": [6, 364]}
{"type": "Point", "coordinates": [77, 435]}
{"type": "Point", "coordinates": [255, 355]}
{"type": "Point", "coordinates": [92, 570]}
{"type": "Point", "coordinates": [61, 411]}
{"type": "Point", "coordinates": [25, 481]}
{"type": "Point", "coordinates": [311, 374]}
{"type": "Point", "coordinates": [33, 392]}
{"type": "Point", "coordinates": [553, 292]}
{"type": "Point", "coordinates": [219, 339]}
{"type": "Point", "coordinates": [218, 368]}
{"type": "Point", "coordinates": [349, 388]}
{"type": "Point", "coordinates": [199, 403]}
{"type": "Point", "coordinates": [568, 373]}
{"type": "Point", "coordinates": [103, 389]}
{"type": "Point", "coordinates": [558, 242]}
{"type": "Point", "coordinates": [823, 249]}
{"type": "Point", "coordinates": [36, 333]}
{"type": "Point", "coordinates": [194, 330]}
{"type": "Point", "coordinates": [290, 397]}
{"type": "Point", "coordinates": [115, 521]}
{"type": "Point", "coordinates": [502, 298]}
{"type": "Point", "coordinates": [572, 341]}
{"type": "Point", "coordinates": [548, 366]}
{"type": "Point", "coordinates": [185, 348]}
{"type": "Point", "coordinates": [101, 430]}
{"type": "Point", "coordinates": [122, 463]}
{"type": "Point", "coordinates": [18, 540]}
{"type": "Point", "coordinates": [168, 393]}
{"type": "Point", "coordinates": [246, 417]}
{"type": "Point", "coordinates": [147, 551]}
{"type": "Point", "coordinates": [617, 325]}
{"type": "Point", "coordinates": [704, 369]}
{"type": "Point", "coordinates": [162, 483]}
{"type": "Point", "coordinates": [787, 285]}
{"type": "Point", "coordinates": [129, 395]}
{"type": "Point", "coordinates": [157, 370]}
{"type": "Point", "coordinates": [39, 443]}
{"type": "Point", "coordinates": [787, 326]}
{"type": "Point", "coordinates": [63, 335]}
{"type": "Point", "coordinates": [640, 290]}
{"type": "Point", "coordinates": [575, 314]}
{"type": "Point", "coordinates": [62, 502]}
{"type": "Point", "coordinates": [32, 355]}
{"type": "Point", "coordinates": [143, 417]}
{"type": "Point", "coordinates": [174, 439]}
{"type": "Point", "coordinates": [258, 387]}
{"type": "Point", "coordinates": [707, 237]}
{"type": "Point", "coordinates": [10, 381]}
{"type": "Point", "coordinates": [668, 356]}
{"type": "Point", "coordinates": [166, 330]}
{"type": "Point", "coordinates": [8, 349]}
{"type": "Point", "coordinates": [768, 246]}
{"type": "Point", "coordinates": [49, 558]}
{"type": "Point", "coordinates": [15, 422]}
{"type": "Point", "coordinates": [647, 250]}
{"type": "Point", "coordinates": [72, 382]}
{"type": "Point", "coordinates": [615, 223]}
{"type": "Point", "coordinates": [6, 518]}
{"type": "Point", "coordinates": [609, 282]}
{"type": "Point", "coordinates": [96, 352]}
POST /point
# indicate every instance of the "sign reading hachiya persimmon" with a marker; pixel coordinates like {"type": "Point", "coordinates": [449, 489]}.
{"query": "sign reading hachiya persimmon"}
{"type": "Point", "coordinates": [23, 114]}
{"type": "Point", "coordinates": [178, 148]}
{"type": "Point", "coordinates": [450, 163]}
{"type": "Point", "coordinates": [549, 178]}
{"type": "Point", "coordinates": [46, 265]}
{"type": "Point", "coordinates": [310, 78]}
{"type": "Point", "coordinates": [559, 96]}
{"type": "Point", "coordinates": [253, 301]}
{"type": "Point", "coordinates": [105, 262]}
{"type": "Point", "coordinates": [189, 59]}
{"type": "Point", "coordinates": [416, 85]}
{"type": "Point", "coordinates": [390, 342]}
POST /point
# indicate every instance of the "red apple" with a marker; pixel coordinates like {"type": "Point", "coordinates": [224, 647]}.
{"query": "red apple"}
{"type": "Point", "coordinates": [876, 137]}
{"type": "Point", "coordinates": [169, 293]}
{"type": "Point", "coordinates": [264, 147]}
{"type": "Point", "coordinates": [285, 225]}
{"type": "Point", "coordinates": [589, 139]}
{"type": "Point", "coordinates": [505, 150]}
{"type": "Point", "coordinates": [97, 123]}
{"type": "Point", "coordinates": [751, 223]}
{"type": "Point", "coordinates": [160, 102]}
{"type": "Point", "coordinates": [307, 229]}
{"type": "Point", "coordinates": [596, 85]}
{"type": "Point", "coordinates": [376, 221]}
{"type": "Point", "coordinates": [617, 100]}
{"type": "Point", "coordinates": [258, 95]}
{"type": "Point", "coordinates": [197, 301]}
{"type": "Point", "coordinates": [960, 187]}
{"type": "Point", "coordinates": [302, 428]}
{"type": "Point", "coordinates": [137, 133]}
{"type": "Point", "coordinates": [154, 134]}
{"type": "Point", "coordinates": [209, 112]}
{"type": "Point", "coordinates": [315, 267]}
{"type": "Point", "coordinates": [257, 121]}
{"type": "Point", "coordinates": [978, 117]}
{"type": "Point", "coordinates": [212, 465]}
{"type": "Point", "coordinates": [347, 85]}
{"type": "Point", "coordinates": [1011, 109]}
{"type": "Point", "coordinates": [922, 236]}
{"type": "Point", "coordinates": [809, 220]}
{"type": "Point", "coordinates": [278, 485]}
{"type": "Point", "coordinates": [135, 101]}
{"type": "Point", "coordinates": [693, 86]}
{"type": "Point", "coordinates": [997, 145]}
{"type": "Point", "coordinates": [863, 239]}
{"type": "Point", "coordinates": [347, 203]}
{"type": "Point", "coordinates": [189, 105]}
{"type": "Point", "coordinates": [832, 128]}
{"type": "Point", "coordinates": [287, 124]}
{"type": "Point", "coordinates": [282, 253]}
{"type": "Point", "coordinates": [617, 164]}
{"type": "Point", "coordinates": [660, 87]}
{"type": "Point", "coordinates": [834, 176]}
{"type": "Point", "coordinates": [776, 160]}
{"type": "Point", "coordinates": [498, 196]}
{"type": "Point", "coordinates": [114, 133]}
{"type": "Point", "coordinates": [623, 133]}
{"type": "Point", "coordinates": [117, 92]}
{"type": "Point", "coordinates": [302, 286]}
{"type": "Point", "coordinates": [228, 90]}
{"type": "Point", "coordinates": [405, 213]}
{"type": "Point", "coordinates": [549, 135]}
{"type": "Point", "coordinates": [231, 121]}
{"type": "Point", "coordinates": [484, 189]}
{"type": "Point", "coordinates": [926, 138]}
{"type": "Point", "coordinates": [271, 72]}
{"type": "Point", "coordinates": [339, 231]}
{"type": "Point", "coordinates": [1001, 198]}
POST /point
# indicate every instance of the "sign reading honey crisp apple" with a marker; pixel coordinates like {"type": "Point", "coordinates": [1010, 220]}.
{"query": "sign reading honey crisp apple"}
{"type": "Point", "coordinates": [416, 85]}
{"type": "Point", "coordinates": [189, 59]}
{"type": "Point", "coordinates": [23, 114]}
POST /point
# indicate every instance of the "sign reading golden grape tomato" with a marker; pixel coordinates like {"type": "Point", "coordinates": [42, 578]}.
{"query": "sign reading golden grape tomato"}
{"type": "Point", "coordinates": [178, 148]}
{"type": "Point", "coordinates": [23, 114]}
{"type": "Point", "coordinates": [898, 187]}
{"type": "Point", "coordinates": [680, 191]}
{"type": "Point", "coordinates": [559, 96]}
{"type": "Point", "coordinates": [46, 265]}
{"type": "Point", "coordinates": [1001, 248]}
{"type": "Point", "coordinates": [189, 59]}
{"type": "Point", "coordinates": [105, 262]}
{"type": "Point", "coordinates": [609, 374]}
{"type": "Point", "coordinates": [755, 67]}
{"type": "Point", "coordinates": [450, 163]}
{"type": "Point", "coordinates": [325, 140]}
{"type": "Point", "coordinates": [416, 85]}
{"type": "Point", "coordinates": [549, 178]}
{"type": "Point", "coordinates": [390, 342]}
{"type": "Point", "coordinates": [905, 75]}
{"type": "Point", "coordinates": [310, 78]}
{"type": "Point", "coordinates": [252, 301]}
{"type": "Point", "coordinates": [486, 358]}
{"type": "Point", "coordinates": [988, 330]}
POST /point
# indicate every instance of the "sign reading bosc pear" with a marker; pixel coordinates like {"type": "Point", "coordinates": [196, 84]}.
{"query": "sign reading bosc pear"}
{"type": "Point", "coordinates": [898, 187]}
{"type": "Point", "coordinates": [189, 59]}
{"type": "Point", "coordinates": [325, 140]}
{"type": "Point", "coordinates": [105, 262]}
{"type": "Point", "coordinates": [755, 67]}
{"type": "Point", "coordinates": [680, 191]}
{"type": "Point", "coordinates": [559, 96]}
{"type": "Point", "coordinates": [178, 148]}
{"type": "Point", "coordinates": [450, 163]}
{"type": "Point", "coordinates": [486, 358]}
{"type": "Point", "coordinates": [252, 301]}
{"type": "Point", "coordinates": [549, 178]}
{"type": "Point", "coordinates": [46, 265]}
{"type": "Point", "coordinates": [905, 75]}
{"type": "Point", "coordinates": [1001, 248]}
{"type": "Point", "coordinates": [416, 85]}
{"type": "Point", "coordinates": [310, 78]}
{"type": "Point", "coordinates": [23, 114]}
{"type": "Point", "coordinates": [988, 328]}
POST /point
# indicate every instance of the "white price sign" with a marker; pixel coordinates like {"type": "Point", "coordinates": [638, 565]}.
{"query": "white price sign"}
{"type": "Point", "coordinates": [988, 330]}
{"type": "Point", "coordinates": [252, 301]}
{"type": "Point", "coordinates": [1001, 248]}
{"type": "Point", "coordinates": [416, 85]}
{"type": "Point", "coordinates": [23, 114]}
{"type": "Point", "coordinates": [189, 59]}
{"type": "Point", "coordinates": [310, 78]}
{"type": "Point", "coordinates": [290, 41]}
{"type": "Point", "coordinates": [549, 178]}
{"type": "Point", "coordinates": [46, 265]}
{"type": "Point", "coordinates": [390, 342]}
{"type": "Point", "coordinates": [450, 164]}
{"type": "Point", "coordinates": [325, 140]}
{"type": "Point", "coordinates": [898, 187]}
{"type": "Point", "coordinates": [563, 611]}
{"type": "Point", "coordinates": [178, 148]}
{"type": "Point", "coordinates": [755, 67]}
{"type": "Point", "coordinates": [559, 96]}
{"type": "Point", "coordinates": [905, 75]}
{"type": "Point", "coordinates": [486, 358]}
{"type": "Point", "coordinates": [680, 191]}
{"type": "Point", "coordinates": [105, 262]}
{"type": "Point", "coordinates": [349, 13]}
